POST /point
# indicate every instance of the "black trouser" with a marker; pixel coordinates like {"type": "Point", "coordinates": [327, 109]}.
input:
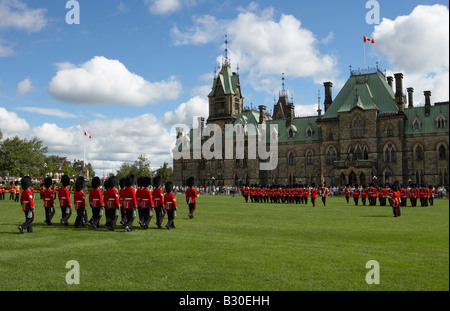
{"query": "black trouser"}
{"type": "Point", "coordinates": [130, 218]}
{"type": "Point", "coordinates": [396, 210]}
{"type": "Point", "coordinates": [403, 202]}
{"type": "Point", "coordinates": [147, 215]}
{"type": "Point", "coordinates": [313, 201]}
{"type": "Point", "coordinates": [363, 200]}
{"type": "Point", "coordinates": [111, 218]}
{"type": "Point", "coordinates": [49, 213]}
{"type": "Point", "coordinates": [28, 221]}
{"type": "Point", "coordinates": [66, 212]}
{"type": "Point", "coordinates": [356, 200]}
{"type": "Point", "coordinates": [80, 217]}
{"type": "Point", "coordinates": [324, 200]}
{"type": "Point", "coordinates": [159, 215]}
{"type": "Point", "coordinates": [171, 216]}
{"type": "Point", "coordinates": [413, 201]}
{"type": "Point", "coordinates": [192, 207]}
{"type": "Point", "coordinates": [96, 217]}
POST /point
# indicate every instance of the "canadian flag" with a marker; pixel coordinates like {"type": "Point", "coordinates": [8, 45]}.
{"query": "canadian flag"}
{"type": "Point", "coordinates": [367, 39]}
{"type": "Point", "coordinates": [87, 134]}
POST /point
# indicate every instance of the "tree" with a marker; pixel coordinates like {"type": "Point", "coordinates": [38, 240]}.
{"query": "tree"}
{"type": "Point", "coordinates": [140, 167]}
{"type": "Point", "coordinates": [165, 172]}
{"type": "Point", "coordinates": [20, 157]}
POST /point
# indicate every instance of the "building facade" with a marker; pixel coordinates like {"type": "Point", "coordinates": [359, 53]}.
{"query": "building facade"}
{"type": "Point", "coordinates": [370, 132]}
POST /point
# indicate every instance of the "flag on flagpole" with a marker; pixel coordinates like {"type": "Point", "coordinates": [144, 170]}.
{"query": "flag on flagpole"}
{"type": "Point", "coordinates": [322, 181]}
{"type": "Point", "coordinates": [367, 39]}
{"type": "Point", "coordinates": [87, 134]}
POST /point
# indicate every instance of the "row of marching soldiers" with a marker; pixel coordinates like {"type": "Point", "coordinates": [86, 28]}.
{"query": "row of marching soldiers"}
{"type": "Point", "coordinates": [113, 202]}
{"type": "Point", "coordinates": [285, 194]}
{"type": "Point", "coordinates": [424, 194]}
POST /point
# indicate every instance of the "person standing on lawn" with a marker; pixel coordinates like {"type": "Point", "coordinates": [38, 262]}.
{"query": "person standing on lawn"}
{"type": "Point", "coordinates": [49, 201]}
{"type": "Point", "coordinates": [64, 200]}
{"type": "Point", "coordinates": [170, 205]}
{"type": "Point", "coordinates": [27, 203]}
{"type": "Point", "coordinates": [191, 197]}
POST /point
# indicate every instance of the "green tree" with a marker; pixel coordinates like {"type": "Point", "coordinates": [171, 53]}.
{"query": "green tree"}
{"type": "Point", "coordinates": [165, 172]}
{"type": "Point", "coordinates": [140, 167]}
{"type": "Point", "coordinates": [21, 157]}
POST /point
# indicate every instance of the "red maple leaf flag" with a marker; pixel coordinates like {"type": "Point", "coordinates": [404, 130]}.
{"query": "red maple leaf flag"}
{"type": "Point", "coordinates": [367, 39]}
{"type": "Point", "coordinates": [86, 134]}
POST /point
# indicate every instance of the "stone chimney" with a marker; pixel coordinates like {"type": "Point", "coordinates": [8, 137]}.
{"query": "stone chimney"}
{"type": "Point", "coordinates": [399, 91]}
{"type": "Point", "coordinates": [389, 81]}
{"type": "Point", "coordinates": [262, 114]}
{"type": "Point", "coordinates": [290, 114]}
{"type": "Point", "coordinates": [410, 97]}
{"type": "Point", "coordinates": [427, 103]}
{"type": "Point", "coordinates": [328, 95]}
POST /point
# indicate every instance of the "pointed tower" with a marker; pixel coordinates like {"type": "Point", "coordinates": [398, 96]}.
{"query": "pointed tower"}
{"type": "Point", "coordinates": [225, 99]}
{"type": "Point", "coordinates": [283, 109]}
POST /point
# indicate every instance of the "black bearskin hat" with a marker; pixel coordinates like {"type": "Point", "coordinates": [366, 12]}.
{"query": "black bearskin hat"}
{"type": "Point", "coordinates": [139, 181]}
{"type": "Point", "coordinates": [157, 181]}
{"type": "Point", "coordinates": [65, 180]}
{"type": "Point", "coordinates": [48, 182]}
{"type": "Point", "coordinates": [190, 182]}
{"type": "Point", "coordinates": [79, 183]}
{"type": "Point", "coordinates": [113, 181]}
{"type": "Point", "coordinates": [129, 181]}
{"type": "Point", "coordinates": [146, 181]}
{"type": "Point", "coordinates": [122, 183]}
{"type": "Point", "coordinates": [26, 182]}
{"type": "Point", "coordinates": [96, 182]}
{"type": "Point", "coordinates": [107, 183]}
{"type": "Point", "coordinates": [169, 186]}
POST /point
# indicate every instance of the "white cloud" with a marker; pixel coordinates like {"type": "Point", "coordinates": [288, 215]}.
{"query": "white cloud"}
{"type": "Point", "coordinates": [106, 81]}
{"type": "Point", "coordinates": [16, 14]}
{"type": "Point", "coordinates": [113, 142]}
{"type": "Point", "coordinates": [263, 46]}
{"type": "Point", "coordinates": [49, 112]}
{"type": "Point", "coordinates": [163, 6]}
{"type": "Point", "coordinates": [187, 113]}
{"type": "Point", "coordinates": [418, 46]}
{"type": "Point", "coordinates": [24, 87]}
{"type": "Point", "coordinates": [4, 49]}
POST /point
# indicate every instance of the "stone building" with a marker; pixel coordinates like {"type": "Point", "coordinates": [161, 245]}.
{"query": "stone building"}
{"type": "Point", "coordinates": [370, 132]}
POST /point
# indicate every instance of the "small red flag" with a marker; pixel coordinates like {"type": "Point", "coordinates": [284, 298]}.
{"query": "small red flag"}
{"type": "Point", "coordinates": [367, 39]}
{"type": "Point", "coordinates": [86, 134]}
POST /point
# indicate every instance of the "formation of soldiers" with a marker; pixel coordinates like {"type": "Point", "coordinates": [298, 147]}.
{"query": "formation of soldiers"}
{"type": "Point", "coordinates": [119, 197]}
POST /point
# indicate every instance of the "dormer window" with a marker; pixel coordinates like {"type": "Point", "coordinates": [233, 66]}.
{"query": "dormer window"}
{"type": "Point", "coordinates": [291, 133]}
{"type": "Point", "coordinates": [441, 122]}
{"type": "Point", "coordinates": [309, 132]}
{"type": "Point", "coordinates": [416, 124]}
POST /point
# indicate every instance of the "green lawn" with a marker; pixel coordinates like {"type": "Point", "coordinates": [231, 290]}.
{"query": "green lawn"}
{"type": "Point", "coordinates": [231, 245]}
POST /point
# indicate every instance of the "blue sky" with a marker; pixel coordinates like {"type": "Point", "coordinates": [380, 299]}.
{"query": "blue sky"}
{"type": "Point", "coordinates": [132, 69]}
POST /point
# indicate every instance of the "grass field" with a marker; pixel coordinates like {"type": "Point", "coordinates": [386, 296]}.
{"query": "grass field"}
{"type": "Point", "coordinates": [234, 246]}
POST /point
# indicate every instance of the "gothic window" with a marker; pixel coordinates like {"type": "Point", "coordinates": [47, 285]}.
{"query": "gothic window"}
{"type": "Point", "coordinates": [330, 135]}
{"type": "Point", "coordinates": [418, 153]}
{"type": "Point", "coordinates": [441, 122]}
{"type": "Point", "coordinates": [291, 133]}
{"type": "Point", "coordinates": [357, 129]}
{"type": "Point", "coordinates": [442, 153]}
{"type": "Point", "coordinates": [358, 152]}
{"type": "Point", "coordinates": [390, 154]}
{"type": "Point", "coordinates": [390, 131]}
{"type": "Point", "coordinates": [309, 157]}
{"type": "Point", "coordinates": [291, 158]}
{"type": "Point", "coordinates": [416, 124]}
{"type": "Point", "coordinates": [365, 153]}
{"type": "Point", "coordinates": [309, 132]}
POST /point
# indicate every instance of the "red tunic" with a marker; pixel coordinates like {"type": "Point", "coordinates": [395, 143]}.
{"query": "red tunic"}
{"type": "Point", "coordinates": [79, 199]}
{"type": "Point", "coordinates": [95, 198]}
{"type": "Point", "coordinates": [170, 201]}
{"type": "Point", "coordinates": [158, 198]}
{"type": "Point", "coordinates": [129, 198]}
{"type": "Point", "coordinates": [64, 197]}
{"type": "Point", "coordinates": [191, 195]}
{"type": "Point", "coordinates": [26, 200]}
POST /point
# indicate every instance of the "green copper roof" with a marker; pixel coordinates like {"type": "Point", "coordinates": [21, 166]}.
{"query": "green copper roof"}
{"type": "Point", "coordinates": [227, 80]}
{"type": "Point", "coordinates": [427, 124]}
{"type": "Point", "coordinates": [368, 91]}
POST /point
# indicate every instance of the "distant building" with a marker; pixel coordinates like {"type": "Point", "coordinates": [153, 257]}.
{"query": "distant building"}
{"type": "Point", "coordinates": [370, 132]}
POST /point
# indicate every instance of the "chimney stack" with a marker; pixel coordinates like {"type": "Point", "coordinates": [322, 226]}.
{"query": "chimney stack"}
{"type": "Point", "coordinates": [328, 96]}
{"type": "Point", "coordinates": [390, 80]}
{"type": "Point", "coordinates": [410, 97]}
{"type": "Point", "coordinates": [399, 91]}
{"type": "Point", "coordinates": [262, 112]}
{"type": "Point", "coordinates": [427, 103]}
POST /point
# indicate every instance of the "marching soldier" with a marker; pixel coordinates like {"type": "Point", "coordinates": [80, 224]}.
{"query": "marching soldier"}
{"type": "Point", "coordinates": [130, 203]}
{"type": "Point", "coordinates": [413, 195]}
{"type": "Point", "coordinates": [96, 202]}
{"type": "Point", "coordinates": [403, 195]}
{"type": "Point", "coordinates": [158, 200]}
{"type": "Point", "coordinates": [364, 194]}
{"type": "Point", "coordinates": [64, 200]}
{"type": "Point", "coordinates": [147, 206]}
{"type": "Point", "coordinates": [112, 204]}
{"type": "Point", "coordinates": [49, 201]}
{"type": "Point", "coordinates": [191, 197]}
{"type": "Point", "coordinates": [170, 205]}
{"type": "Point", "coordinates": [356, 194]}
{"type": "Point", "coordinates": [79, 200]}
{"type": "Point", "coordinates": [27, 203]}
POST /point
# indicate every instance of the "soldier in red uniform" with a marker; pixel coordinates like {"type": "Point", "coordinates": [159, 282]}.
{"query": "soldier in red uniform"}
{"type": "Point", "coordinates": [347, 192]}
{"type": "Point", "coordinates": [79, 200]}
{"type": "Point", "coordinates": [96, 202]}
{"type": "Point", "coordinates": [313, 194]}
{"type": "Point", "coordinates": [395, 200]}
{"type": "Point", "coordinates": [130, 203]}
{"type": "Point", "coordinates": [306, 193]}
{"type": "Point", "coordinates": [191, 196]}
{"type": "Point", "coordinates": [122, 209]}
{"type": "Point", "coordinates": [147, 206]}
{"type": "Point", "coordinates": [112, 202]}
{"type": "Point", "coordinates": [325, 193]}
{"type": "Point", "coordinates": [356, 194]}
{"type": "Point", "coordinates": [364, 194]}
{"type": "Point", "coordinates": [413, 195]}
{"type": "Point", "coordinates": [158, 200]}
{"type": "Point", "coordinates": [64, 200]}
{"type": "Point", "coordinates": [49, 201]}
{"type": "Point", "coordinates": [170, 205]}
{"type": "Point", "coordinates": [403, 195]}
{"type": "Point", "coordinates": [423, 194]}
{"type": "Point", "coordinates": [27, 203]}
{"type": "Point", "coordinates": [431, 194]}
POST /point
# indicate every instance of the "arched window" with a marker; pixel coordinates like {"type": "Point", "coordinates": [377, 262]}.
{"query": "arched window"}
{"type": "Point", "coordinates": [331, 156]}
{"type": "Point", "coordinates": [357, 129]}
{"type": "Point", "coordinates": [442, 152]}
{"type": "Point", "coordinates": [331, 135]}
{"type": "Point", "coordinates": [309, 132]}
{"type": "Point", "coordinates": [441, 122]}
{"type": "Point", "coordinates": [291, 133]}
{"type": "Point", "coordinates": [309, 157]}
{"type": "Point", "coordinates": [365, 153]}
{"type": "Point", "coordinates": [390, 154]}
{"type": "Point", "coordinates": [291, 158]}
{"type": "Point", "coordinates": [358, 152]}
{"type": "Point", "coordinates": [389, 131]}
{"type": "Point", "coordinates": [418, 153]}
{"type": "Point", "coordinates": [416, 124]}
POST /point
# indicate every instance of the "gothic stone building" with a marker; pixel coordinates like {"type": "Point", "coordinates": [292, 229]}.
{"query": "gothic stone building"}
{"type": "Point", "coordinates": [370, 132]}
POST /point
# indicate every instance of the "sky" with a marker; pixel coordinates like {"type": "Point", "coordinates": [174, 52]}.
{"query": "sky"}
{"type": "Point", "coordinates": [128, 71]}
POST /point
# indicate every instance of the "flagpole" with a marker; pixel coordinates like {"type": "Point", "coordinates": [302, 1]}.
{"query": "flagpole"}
{"type": "Point", "coordinates": [84, 152]}
{"type": "Point", "coordinates": [364, 49]}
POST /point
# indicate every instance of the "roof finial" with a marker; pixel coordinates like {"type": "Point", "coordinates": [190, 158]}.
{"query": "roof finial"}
{"type": "Point", "coordinates": [226, 62]}
{"type": "Point", "coordinates": [283, 91]}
